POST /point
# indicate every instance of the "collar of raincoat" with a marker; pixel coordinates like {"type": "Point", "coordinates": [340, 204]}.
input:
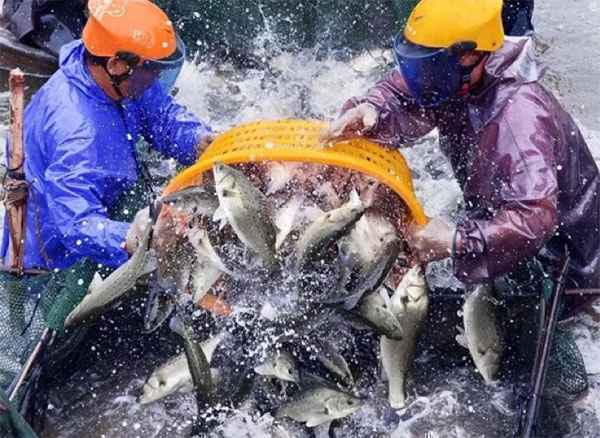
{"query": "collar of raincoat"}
{"type": "Point", "coordinates": [505, 71]}
{"type": "Point", "coordinates": [72, 64]}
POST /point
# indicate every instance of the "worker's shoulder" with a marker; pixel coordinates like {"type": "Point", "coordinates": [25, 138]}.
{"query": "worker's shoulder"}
{"type": "Point", "coordinates": [531, 95]}
{"type": "Point", "coordinates": [527, 104]}
{"type": "Point", "coordinates": [64, 103]}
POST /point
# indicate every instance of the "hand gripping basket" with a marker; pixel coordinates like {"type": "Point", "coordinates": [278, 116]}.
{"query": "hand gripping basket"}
{"type": "Point", "coordinates": [298, 140]}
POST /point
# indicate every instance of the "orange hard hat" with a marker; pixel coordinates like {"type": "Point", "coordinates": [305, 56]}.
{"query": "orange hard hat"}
{"type": "Point", "coordinates": [135, 26]}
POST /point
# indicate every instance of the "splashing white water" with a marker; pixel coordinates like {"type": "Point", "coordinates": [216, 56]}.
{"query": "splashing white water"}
{"type": "Point", "coordinates": [301, 85]}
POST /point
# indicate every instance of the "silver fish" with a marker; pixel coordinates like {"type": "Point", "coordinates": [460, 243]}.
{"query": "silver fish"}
{"type": "Point", "coordinates": [369, 275]}
{"type": "Point", "coordinates": [375, 310]}
{"type": "Point", "coordinates": [333, 360]}
{"type": "Point", "coordinates": [319, 405]}
{"type": "Point", "coordinates": [281, 365]}
{"type": "Point", "coordinates": [328, 228]}
{"type": "Point", "coordinates": [102, 293]}
{"type": "Point", "coordinates": [409, 303]}
{"type": "Point", "coordinates": [208, 266]}
{"type": "Point", "coordinates": [197, 362]}
{"type": "Point", "coordinates": [175, 255]}
{"type": "Point", "coordinates": [159, 306]}
{"type": "Point", "coordinates": [247, 211]}
{"type": "Point", "coordinates": [481, 334]}
{"type": "Point", "coordinates": [174, 375]}
{"type": "Point", "coordinates": [194, 200]}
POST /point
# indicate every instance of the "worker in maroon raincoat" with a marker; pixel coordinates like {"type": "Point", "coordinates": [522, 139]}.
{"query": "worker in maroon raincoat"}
{"type": "Point", "coordinates": [530, 184]}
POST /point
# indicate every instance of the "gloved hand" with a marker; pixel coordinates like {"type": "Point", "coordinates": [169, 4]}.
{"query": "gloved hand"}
{"type": "Point", "coordinates": [136, 229]}
{"type": "Point", "coordinates": [433, 241]}
{"type": "Point", "coordinates": [352, 124]}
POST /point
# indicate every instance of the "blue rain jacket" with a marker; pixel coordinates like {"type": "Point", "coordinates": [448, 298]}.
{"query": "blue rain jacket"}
{"type": "Point", "coordinates": [80, 149]}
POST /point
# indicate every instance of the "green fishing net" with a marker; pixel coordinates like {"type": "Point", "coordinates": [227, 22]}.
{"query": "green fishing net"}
{"type": "Point", "coordinates": [33, 305]}
{"type": "Point", "coordinates": [566, 377]}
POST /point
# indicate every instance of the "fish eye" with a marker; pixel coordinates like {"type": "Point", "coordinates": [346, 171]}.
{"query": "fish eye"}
{"type": "Point", "coordinates": [350, 402]}
{"type": "Point", "coordinates": [481, 351]}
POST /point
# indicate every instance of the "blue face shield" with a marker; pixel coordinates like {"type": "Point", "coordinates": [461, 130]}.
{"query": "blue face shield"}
{"type": "Point", "coordinates": [433, 76]}
{"type": "Point", "coordinates": [165, 71]}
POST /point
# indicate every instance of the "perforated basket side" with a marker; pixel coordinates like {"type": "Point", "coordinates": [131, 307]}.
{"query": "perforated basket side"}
{"type": "Point", "coordinates": [298, 140]}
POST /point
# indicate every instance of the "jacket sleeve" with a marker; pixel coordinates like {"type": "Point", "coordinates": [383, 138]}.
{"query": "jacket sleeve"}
{"type": "Point", "coordinates": [527, 216]}
{"type": "Point", "coordinates": [169, 127]}
{"type": "Point", "coordinates": [74, 193]}
{"type": "Point", "coordinates": [399, 120]}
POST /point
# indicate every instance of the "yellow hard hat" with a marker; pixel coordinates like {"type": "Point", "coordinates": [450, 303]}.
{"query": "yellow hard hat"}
{"type": "Point", "coordinates": [443, 23]}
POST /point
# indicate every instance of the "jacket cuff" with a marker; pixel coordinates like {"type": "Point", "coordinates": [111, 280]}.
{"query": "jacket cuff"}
{"type": "Point", "coordinates": [469, 253]}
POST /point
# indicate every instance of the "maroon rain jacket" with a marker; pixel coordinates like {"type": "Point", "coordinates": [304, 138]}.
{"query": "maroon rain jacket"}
{"type": "Point", "coordinates": [529, 181]}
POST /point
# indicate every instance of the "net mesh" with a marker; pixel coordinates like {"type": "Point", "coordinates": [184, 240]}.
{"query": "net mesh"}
{"type": "Point", "coordinates": [31, 304]}
{"type": "Point", "coordinates": [566, 376]}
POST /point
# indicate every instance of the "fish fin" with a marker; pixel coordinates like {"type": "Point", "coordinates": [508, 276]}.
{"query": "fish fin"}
{"type": "Point", "coordinates": [322, 430]}
{"type": "Point", "coordinates": [461, 338]}
{"type": "Point", "coordinates": [386, 299]}
{"type": "Point", "coordinates": [355, 198]}
{"type": "Point", "coordinates": [205, 248]}
{"type": "Point", "coordinates": [309, 380]}
{"type": "Point", "coordinates": [263, 369]}
{"type": "Point", "coordinates": [323, 422]}
{"type": "Point", "coordinates": [176, 325]}
{"type": "Point", "coordinates": [96, 282]}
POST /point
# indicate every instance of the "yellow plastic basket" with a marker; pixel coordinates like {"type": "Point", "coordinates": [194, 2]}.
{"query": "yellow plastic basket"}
{"type": "Point", "coordinates": [298, 140]}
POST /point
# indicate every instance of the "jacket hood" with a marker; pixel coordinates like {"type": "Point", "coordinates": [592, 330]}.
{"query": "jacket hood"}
{"type": "Point", "coordinates": [72, 65]}
{"type": "Point", "coordinates": [515, 60]}
{"type": "Point", "coordinates": [505, 71]}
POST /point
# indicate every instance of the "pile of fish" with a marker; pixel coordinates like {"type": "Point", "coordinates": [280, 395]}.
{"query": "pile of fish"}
{"type": "Point", "coordinates": [281, 295]}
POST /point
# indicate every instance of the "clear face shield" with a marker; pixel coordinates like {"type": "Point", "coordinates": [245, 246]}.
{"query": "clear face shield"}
{"type": "Point", "coordinates": [433, 75]}
{"type": "Point", "coordinates": [165, 71]}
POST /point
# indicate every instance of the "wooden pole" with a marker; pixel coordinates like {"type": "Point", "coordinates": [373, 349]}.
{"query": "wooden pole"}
{"type": "Point", "coordinates": [15, 162]}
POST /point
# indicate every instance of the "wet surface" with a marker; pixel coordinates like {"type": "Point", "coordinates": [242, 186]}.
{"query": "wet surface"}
{"type": "Point", "coordinates": [99, 399]}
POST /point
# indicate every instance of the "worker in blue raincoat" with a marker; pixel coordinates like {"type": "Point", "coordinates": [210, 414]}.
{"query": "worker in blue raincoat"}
{"type": "Point", "coordinates": [81, 128]}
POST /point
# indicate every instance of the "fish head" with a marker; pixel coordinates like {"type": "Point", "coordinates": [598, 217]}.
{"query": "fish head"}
{"type": "Point", "coordinates": [225, 177]}
{"type": "Point", "coordinates": [416, 277]}
{"type": "Point", "coordinates": [286, 369]}
{"type": "Point", "coordinates": [487, 362]}
{"type": "Point", "coordinates": [347, 215]}
{"type": "Point", "coordinates": [156, 388]}
{"type": "Point", "coordinates": [411, 292]}
{"type": "Point", "coordinates": [341, 405]}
